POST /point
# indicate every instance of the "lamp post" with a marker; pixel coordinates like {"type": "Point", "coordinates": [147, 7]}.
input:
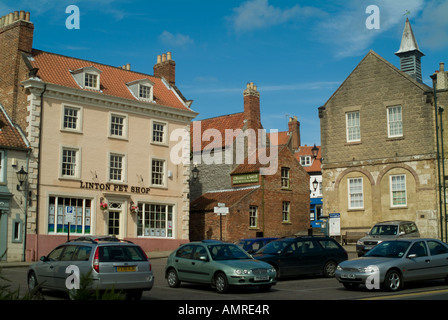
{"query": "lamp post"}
{"type": "Point", "coordinates": [22, 177]}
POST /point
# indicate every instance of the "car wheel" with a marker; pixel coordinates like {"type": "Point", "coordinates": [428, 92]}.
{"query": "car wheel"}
{"type": "Point", "coordinates": [221, 283]}
{"type": "Point", "coordinates": [393, 281]}
{"type": "Point", "coordinates": [330, 269]}
{"type": "Point", "coordinates": [33, 285]}
{"type": "Point", "coordinates": [172, 279]}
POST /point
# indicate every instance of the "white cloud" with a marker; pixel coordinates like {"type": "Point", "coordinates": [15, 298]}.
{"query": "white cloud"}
{"type": "Point", "coordinates": [258, 14]}
{"type": "Point", "coordinates": [175, 40]}
{"type": "Point", "coordinates": [346, 31]}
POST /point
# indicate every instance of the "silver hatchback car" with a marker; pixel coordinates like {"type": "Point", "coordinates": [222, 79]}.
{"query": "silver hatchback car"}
{"type": "Point", "coordinates": [112, 264]}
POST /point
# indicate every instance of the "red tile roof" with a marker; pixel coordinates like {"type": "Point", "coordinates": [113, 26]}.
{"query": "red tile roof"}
{"type": "Point", "coordinates": [209, 200]}
{"type": "Point", "coordinates": [10, 136]}
{"type": "Point", "coordinates": [231, 121]}
{"type": "Point", "coordinates": [54, 68]}
{"type": "Point", "coordinates": [306, 151]}
{"type": "Point", "coordinates": [281, 136]}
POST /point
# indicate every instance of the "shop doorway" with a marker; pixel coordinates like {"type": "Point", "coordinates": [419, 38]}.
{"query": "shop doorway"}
{"type": "Point", "coordinates": [115, 225]}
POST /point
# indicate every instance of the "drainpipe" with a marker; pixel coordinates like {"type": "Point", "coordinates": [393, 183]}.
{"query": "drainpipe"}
{"type": "Point", "coordinates": [434, 84]}
{"type": "Point", "coordinates": [26, 205]}
{"type": "Point", "coordinates": [38, 167]}
{"type": "Point", "coordinates": [443, 169]}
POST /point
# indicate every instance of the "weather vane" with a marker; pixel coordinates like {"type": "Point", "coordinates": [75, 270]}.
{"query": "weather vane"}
{"type": "Point", "coordinates": [407, 13]}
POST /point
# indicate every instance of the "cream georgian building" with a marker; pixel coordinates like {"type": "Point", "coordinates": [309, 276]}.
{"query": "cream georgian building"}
{"type": "Point", "coordinates": [101, 140]}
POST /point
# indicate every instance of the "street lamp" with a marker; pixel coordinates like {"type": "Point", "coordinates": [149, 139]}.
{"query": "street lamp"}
{"type": "Point", "coordinates": [22, 176]}
{"type": "Point", "coordinates": [315, 151]}
{"type": "Point", "coordinates": [195, 173]}
{"type": "Point", "coordinates": [315, 184]}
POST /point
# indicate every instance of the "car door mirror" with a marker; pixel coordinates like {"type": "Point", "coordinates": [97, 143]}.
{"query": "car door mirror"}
{"type": "Point", "coordinates": [43, 258]}
{"type": "Point", "coordinates": [412, 256]}
{"type": "Point", "coordinates": [203, 258]}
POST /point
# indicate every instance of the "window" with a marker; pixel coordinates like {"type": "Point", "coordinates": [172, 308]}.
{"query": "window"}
{"type": "Point", "coordinates": [155, 220]}
{"type": "Point", "coordinates": [3, 166]}
{"type": "Point", "coordinates": [253, 216]}
{"type": "Point", "coordinates": [285, 178]}
{"type": "Point", "coordinates": [355, 193]}
{"type": "Point", "coordinates": [305, 161]}
{"type": "Point", "coordinates": [144, 92]}
{"type": "Point", "coordinates": [285, 211]}
{"type": "Point", "coordinates": [353, 126]}
{"type": "Point", "coordinates": [17, 230]}
{"type": "Point", "coordinates": [158, 172]}
{"type": "Point", "coordinates": [158, 132]}
{"type": "Point", "coordinates": [398, 190]}
{"type": "Point", "coordinates": [70, 161]}
{"type": "Point", "coordinates": [91, 80]}
{"type": "Point", "coordinates": [118, 126]}
{"type": "Point", "coordinates": [116, 167]}
{"type": "Point", "coordinates": [394, 122]}
{"type": "Point", "coordinates": [62, 210]}
{"type": "Point", "coordinates": [71, 119]}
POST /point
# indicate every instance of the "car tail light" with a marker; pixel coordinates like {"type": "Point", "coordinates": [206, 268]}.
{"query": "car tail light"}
{"type": "Point", "coordinates": [96, 261]}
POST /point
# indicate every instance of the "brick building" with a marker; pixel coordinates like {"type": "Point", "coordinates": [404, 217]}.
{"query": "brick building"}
{"type": "Point", "coordinates": [274, 204]}
{"type": "Point", "coordinates": [100, 144]}
{"type": "Point", "coordinates": [379, 146]}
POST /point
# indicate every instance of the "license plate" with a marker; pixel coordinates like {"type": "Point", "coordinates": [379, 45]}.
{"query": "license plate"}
{"type": "Point", "coordinates": [347, 276]}
{"type": "Point", "coordinates": [126, 269]}
{"type": "Point", "coordinates": [261, 278]}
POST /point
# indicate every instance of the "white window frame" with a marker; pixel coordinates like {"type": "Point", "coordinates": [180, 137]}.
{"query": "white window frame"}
{"type": "Point", "coordinates": [3, 166]}
{"type": "Point", "coordinates": [124, 129]}
{"type": "Point", "coordinates": [150, 223]}
{"type": "Point", "coordinates": [352, 193]}
{"type": "Point", "coordinates": [77, 163]}
{"type": "Point", "coordinates": [391, 121]}
{"type": "Point", "coordinates": [397, 188]}
{"type": "Point", "coordinates": [163, 173]}
{"type": "Point", "coordinates": [81, 74]}
{"type": "Point", "coordinates": [305, 161]}
{"type": "Point", "coordinates": [123, 167]}
{"type": "Point", "coordinates": [79, 118]}
{"type": "Point", "coordinates": [164, 141]}
{"type": "Point", "coordinates": [253, 216]}
{"type": "Point", "coordinates": [353, 131]}
{"type": "Point", "coordinates": [286, 211]}
{"type": "Point", "coordinates": [285, 177]}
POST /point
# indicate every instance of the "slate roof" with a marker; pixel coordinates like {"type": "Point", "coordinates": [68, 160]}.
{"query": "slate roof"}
{"type": "Point", "coordinates": [55, 69]}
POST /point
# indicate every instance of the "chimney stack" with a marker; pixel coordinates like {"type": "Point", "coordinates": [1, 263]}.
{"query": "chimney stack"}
{"type": "Point", "coordinates": [294, 131]}
{"type": "Point", "coordinates": [252, 106]}
{"type": "Point", "coordinates": [166, 68]}
{"type": "Point", "coordinates": [442, 77]}
{"type": "Point", "coordinates": [19, 29]}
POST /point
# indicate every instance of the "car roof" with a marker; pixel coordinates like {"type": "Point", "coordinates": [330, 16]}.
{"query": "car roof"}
{"type": "Point", "coordinates": [394, 222]}
{"type": "Point", "coordinates": [99, 239]}
{"type": "Point", "coordinates": [263, 238]}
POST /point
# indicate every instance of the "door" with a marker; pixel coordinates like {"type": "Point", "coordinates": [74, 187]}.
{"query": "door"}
{"type": "Point", "coordinates": [183, 261]}
{"type": "Point", "coordinates": [289, 262]}
{"type": "Point", "coordinates": [60, 266]}
{"type": "Point", "coordinates": [200, 269]}
{"type": "Point", "coordinates": [45, 270]}
{"type": "Point", "coordinates": [3, 234]}
{"type": "Point", "coordinates": [419, 264]}
{"type": "Point", "coordinates": [311, 259]}
{"type": "Point", "coordinates": [115, 223]}
{"type": "Point", "coordinates": [439, 258]}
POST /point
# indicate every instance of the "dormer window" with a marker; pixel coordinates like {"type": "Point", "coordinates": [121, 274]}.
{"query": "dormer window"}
{"type": "Point", "coordinates": [142, 89]}
{"type": "Point", "coordinates": [87, 77]}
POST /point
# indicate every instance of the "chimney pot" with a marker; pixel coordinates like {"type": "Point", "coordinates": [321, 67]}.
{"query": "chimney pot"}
{"type": "Point", "coordinates": [27, 16]}
{"type": "Point", "coordinates": [168, 55]}
{"type": "Point", "coordinates": [159, 58]}
{"type": "Point", "coordinates": [442, 66]}
{"type": "Point", "coordinates": [22, 15]}
{"type": "Point", "coordinates": [163, 57]}
{"type": "Point", "coordinates": [16, 15]}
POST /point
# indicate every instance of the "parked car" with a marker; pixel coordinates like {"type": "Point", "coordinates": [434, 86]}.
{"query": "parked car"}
{"type": "Point", "coordinates": [253, 244]}
{"type": "Point", "coordinates": [387, 230]}
{"type": "Point", "coordinates": [303, 255]}
{"type": "Point", "coordinates": [396, 262]}
{"type": "Point", "coordinates": [219, 264]}
{"type": "Point", "coordinates": [112, 264]}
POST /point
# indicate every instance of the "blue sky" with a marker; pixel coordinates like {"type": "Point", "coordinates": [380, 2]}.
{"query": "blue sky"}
{"type": "Point", "coordinates": [296, 51]}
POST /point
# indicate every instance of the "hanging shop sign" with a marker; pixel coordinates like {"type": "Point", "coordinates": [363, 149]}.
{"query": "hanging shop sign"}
{"type": "Point", "coordinates": [113, 187]}
{"type": "Point", "coordinates": [245, 178]}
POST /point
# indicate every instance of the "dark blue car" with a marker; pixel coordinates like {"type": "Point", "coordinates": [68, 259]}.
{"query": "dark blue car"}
{"type": "Point", "coordinates": [253, 244]}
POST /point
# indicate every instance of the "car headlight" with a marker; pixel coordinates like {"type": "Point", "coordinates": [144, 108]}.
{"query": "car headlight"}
{"type": "Point", "coordinates": [369, 269]}
{"type": "Point", "coordinates": [359, 243]}
{"type": "Point", "coordinates": [339, 268]}
{"type": "Point", "coordinates": [242, 272]}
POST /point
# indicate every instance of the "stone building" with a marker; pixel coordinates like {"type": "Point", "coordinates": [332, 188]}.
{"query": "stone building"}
{"type": "Point", "coordinates": [263, 198]}
{"type": "Point", "coordinates": [99, 135]}
{"type": "Point", "coordinates": [379, 146]}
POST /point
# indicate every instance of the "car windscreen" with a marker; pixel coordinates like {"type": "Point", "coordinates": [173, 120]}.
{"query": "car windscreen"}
{"type": "Point", "coordinates": [384, 230]}
{"type": "Point", "coordinates": [274, 247]}
{"type": "Point", "coordinates": [121, 253]}
{"type": "Point", "coordinates": [227, 252]}
{"type": "Point", "coordinates": [389, 249]}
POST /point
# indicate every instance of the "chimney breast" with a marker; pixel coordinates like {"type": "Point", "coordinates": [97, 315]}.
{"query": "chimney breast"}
{"type": "Point", "coordinates": [166, 68]}
{"type": "Point", "coordinates": [252, 106]}
{"type": "Point", "coordinates": [294, 131]}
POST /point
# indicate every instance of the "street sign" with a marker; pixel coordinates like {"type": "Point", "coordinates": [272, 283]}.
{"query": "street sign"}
{"type": "Point", "coordinates": [221, 210]}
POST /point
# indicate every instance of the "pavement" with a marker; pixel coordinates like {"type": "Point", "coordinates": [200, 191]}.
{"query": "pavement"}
{"type": "Point", "coordinates": [151, 255]}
